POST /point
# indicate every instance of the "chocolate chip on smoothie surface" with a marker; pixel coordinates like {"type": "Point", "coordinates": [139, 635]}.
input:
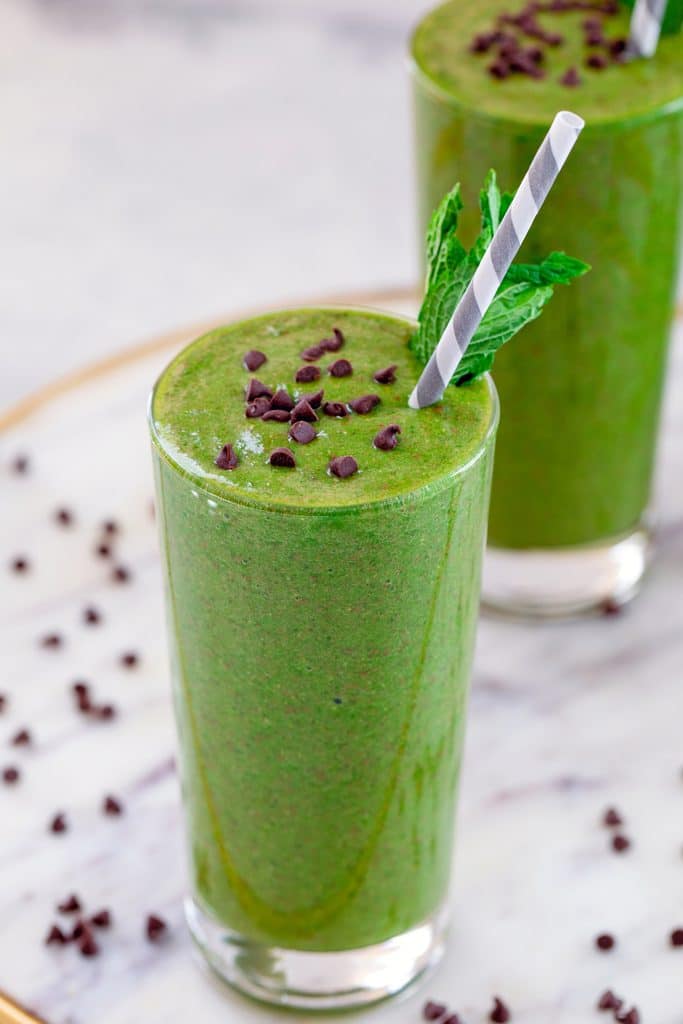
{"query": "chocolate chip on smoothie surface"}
{"type": "Point", "coordinates": [302, 432]}
{"type": "Point", "coordinates": [55, 936]}
{"type": "Point", "coordinates": [343, 466]}
{"type": "Point", "coordinates": [336, 409]}
{"type": "Point", "coordinates": [121, 574]}
{"type": "Point", "coordinates": [253, 359]}
{"type": "Point", "coordinates": [20, 564]}
{"type": "Point", "coordinates": [254, 410]}
{"type": "Point", "coordinates": [64, 517]}
{"type": "Point", "coordinates": [70, 905]}
{"type": "Point", "coordinates": [276, 416]}
{"type": "Point", "coordinates": [612, 818]}
{"type": "Point", "coordinates": [340, 368]}
{"type": "Point", "coordinates": [605, 942]}
{"type": "Point", "coordinates": [101, 919]}
{"type": "Point", "coordinates": [314, 398]}
{"type": "Point", "coordinates": [334, 343]}
{"type": "Point", "coordinates": [112, 807]}
{"type": "Point", "coordinates": [676, 938]}
{"type": "Point", "coordinates": [385, 376]}
{"type": "Point", "coordinates": [570, 78]}
{"type": "Point", "coordinates": [91, 615]}
{"type": "Point", "coordinates": [282, 401]}
{"type": "Point", "coordinates": [256, 389]}
{"type": "Point", "coordinates": [387, 438]}
{"type": "Point", "coordinates": [500, 1013]}
{"type": "Point", "coordinates": [155, 927]}
{"type": "Point", "coordinates": [20, 464]}
{"type": "Point", "coordinates": [51, 641]}
{"type": "Point", "coordinates": [312, 353]}
{"type": "Point", "coordinates": [11, 775]}
{"type": "Point", "coordinates": [22, 738]}
{"type": "Point", "coordinates": [620, 843]}
{"type": "Point", "coordinates": [433, 1011]}
{"type": "Point", "coordinates": [227, 458]}
{"type": "Point", "coordinates": [608, 1001]}
{"type": "Point", "coordinates": [631, 1016]}
{"type": "Point", "coordinates": [307, 374]}
{"type": "Point", "coordinates": [365, 404]}
{"type": "Point", "coordinates": [282, 458]}
{"type": "Point", "coordinates": [303, 410]}
{"type": "Point", "coordinates": [58, 823]}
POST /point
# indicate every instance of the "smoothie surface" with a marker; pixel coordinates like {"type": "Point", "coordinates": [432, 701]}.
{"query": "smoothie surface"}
{"type": "Point", "coordinates": [635, 89]}
{"type": "Point", "coordinates": [198, 406]}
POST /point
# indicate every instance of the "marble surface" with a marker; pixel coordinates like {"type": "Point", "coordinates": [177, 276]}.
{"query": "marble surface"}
{"type": "Point", "coordinates": [150, 147]}
{"type": "Point", "coordinates": [565, 720]}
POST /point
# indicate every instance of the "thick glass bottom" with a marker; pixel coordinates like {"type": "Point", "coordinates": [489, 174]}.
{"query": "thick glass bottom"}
{"type": "Point", "coordinates": [558, 582]}
{"type": "Point", "coordinates": [317, 981]}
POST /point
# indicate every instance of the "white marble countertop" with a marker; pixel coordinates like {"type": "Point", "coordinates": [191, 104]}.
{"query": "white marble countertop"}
{"type": "Point", "coordinates": [565, 720]}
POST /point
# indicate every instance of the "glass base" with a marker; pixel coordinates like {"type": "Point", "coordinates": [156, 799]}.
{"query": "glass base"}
{"type": "Point", "coordinates": [558, 582]}
{"type": "Point", "coordinates": [317, 981]}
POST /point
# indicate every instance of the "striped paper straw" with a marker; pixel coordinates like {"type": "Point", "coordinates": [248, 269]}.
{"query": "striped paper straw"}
{"type": "Point", "coordinates": [494, 265]}
{"type": "Point", "coordinates": [646, 24]}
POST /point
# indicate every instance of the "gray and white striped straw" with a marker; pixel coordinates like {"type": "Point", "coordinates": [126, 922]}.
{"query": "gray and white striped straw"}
{"type": "Point", "coordinates": [494, 265]}
{"type": "Point", "coordinates": [646, 24]}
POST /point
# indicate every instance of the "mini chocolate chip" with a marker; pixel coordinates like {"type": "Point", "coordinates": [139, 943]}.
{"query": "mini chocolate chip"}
{"type": "Point", "coordinates": [451, 1019]}
{"type": "Point", "coordinates": [307, 374]}
{"type": "Point", "coordinates": [337, 409]}
{"type": "Point", "coordinates": [129, 659]}
{"type": "Point", "coordinates": [103, 712]}
{"type": "Point", "coordinates": [110, 527]}
{"type": "Point", "coordinates": [481, 43]}
{"type": "Point", "coordinates": [256, 389]}
{"type": "Point", "coordinates": [282, 400]}
{"type": "Point", "coordinates": [78, 930]}
{"type": "Point", "coordinates": [313, 352]}
{"type": "Point", "coordinates": [276, 416]}
{"type": "Point", "coordinates": [387, 375]}
{"type": "Point", "coordinates": [608, 1001]}
{"type": "Point", "coordinates": [20, 564]}
{"type": "Point", "coordinates": [343, 466]}
{"type": "Point", "coordinates": [605, 942]}
{"type": "Point", "coordinates": [365, 404]}
{"type": "Point", "coordinates": [227, 458]}
{"type": "Point", "coordinates": [112, 807]}
{"type": "Point", "coordinates": [87, 945]}
{"type": "Point", "coordinates": [120, 574]}
{"type": "Point", "coordinates": [314, 398]}
{"type": "Point", "coordinates": [535, 54]}
{"type": "Point", "coordinates": [51, 640]}
{"type": "Point", "coordinates": [597, 61]}
{"type": "Point", "coordinates": [500, 1013]}
{"type": "Point", "coordinates": [155, 927]}
{"type": "Point", "coordinates": [10, 775]}
{"type": "Point", "coordinates": [71, 905]}
{"type": "Point", "coordinates": [20, 464]}
{"type": "Point", "coordinates": [387, 438]}
{"type": "Point", "coordinates": [620, 843]}
{"type": "Point", "coordinates": [618, 46]}
{"type": "Point", "coordinates": [22, 738]}
{"type": "Point", "coordinates": [611, 818]}
{"type": "Point", "coordinates": [340, 368]}
{"type": "Point", "coordinates": [282, 457]}
{"type": "Point", "coordinates": [257, 408]}
{"type": "Point", "coordinates": [432, 1011]}
{"type": "Point", "coordinates": [595, 38]}
{"type": "Point", "coordinates": [64, 517]}
{"type": "Point", "coordinates": [102, 919]}
{"type": "Point", "coordinates": [302, 432]}
{"type": "Point", "coordinates": [499, 69]}
{"type": "Point", "coordinates": [631, 1016]}
{"type": "Point", "coordinates": [103, 551]}
{"type": "Point", "coordinates": [253, 359]}
{"type": "Point", "coordinates": [676, 938]}
{"type": "Point", "coordinates": [303, 410]}
{"type": "Point", "coordinates": [570, 78]}
{"type": "Point", "coordinates": [80, 689]}
{"type": "Point", "coordinates": [58, 824]}
{"type": "Point", "coordinates": [55, 937]}
{"type": "Point", "coordinates": [553, 38]}
{"type": "Point", "coordinates": [91, 615]}
{"type": "Point", "coordinates": [334, 343]}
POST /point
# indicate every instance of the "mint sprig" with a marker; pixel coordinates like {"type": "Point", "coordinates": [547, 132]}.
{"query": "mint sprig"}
{"type": "Point", "coordinates": [525, 290]}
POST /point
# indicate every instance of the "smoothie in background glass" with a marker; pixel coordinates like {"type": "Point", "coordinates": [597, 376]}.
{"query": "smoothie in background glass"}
{"type": "Point", "coordinates": [581, 391]}
{"type": "Point", "coordinates": [322, 631]}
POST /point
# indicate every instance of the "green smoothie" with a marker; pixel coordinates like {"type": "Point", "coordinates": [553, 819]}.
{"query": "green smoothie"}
{"type": "Point", "coordinates": [322, 626]}
{"type": "Point", "coordinates": [581, 389]}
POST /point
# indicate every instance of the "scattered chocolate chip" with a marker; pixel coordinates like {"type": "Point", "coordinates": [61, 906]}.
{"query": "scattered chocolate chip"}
{"type": "Point", "coordinates": [276, 416]}
{"type": "Point", "coordinates": [334, 343]}
{"type": "Point", "coordinates": [71, 905]}
{"type": "Point", "coordinates": [337, 409]}
{"type": "Point", "coordinates": [611, 818]}
{"type": "Point", "coordinates": [387, 438]}
{"type": "Point", "coordinates": [620, 843]}
{"type": "Point", "coordinates": [64, 517]}
{"type": "Point", "coordinates": [103, 550]}
{"type": "Point", "coordinates": [608, 1001]}
{"type": "Point", "coordinates": [340, 368]}
{"type": "Point", "coordinates": [257, 408]}
{"type": "Point", "coordinates": [110, 527]}
{"type": "Point", "coordinates": [129, 659]}
{"type": "Point", "coordinates": [365, 404]}
{"type": "Point", "coordinates": [78, 930]}
{"type": "Point", "coordinates": [500, 1013]}
{"type": "Point", "coordinates": [307, 374]}
{"type": "Point", "coordinates": [91, 615]}
{"type": "Point", "coordinates": [58, 824]}
{"type": "Point", "coordinates": [605, 942]}
{"type": "Point", "coordinates": [303, 410]}
{"type": "Point", "coordinates": [314, 398]}
{"type": "Point", "coordinates": [282, 400]}
{"type": "Point", "coordinates": [386, 376]}
{"type": "Point", "coordinates": [451, 1019]}
{"type": "Point", "coordinates": [302, 432]}
{"type": "Point", "coordinates": [597, 61]}
{"type": "Point", "coordinates": [103, 712]}
{"type": "Point", "coordinates": [227, 458]}
{"type": "Point", "coordinates": [20, 464]}
{"type": "Point", "coordinates": [155, 928]}
{"type": "Point", "coordinates": [631, 1016]}
{"type": "Point", "coordinates": [256, 389]}
{"type": "Point", "coordinates": [112, 807]}
{"type": "Point", "coordinates": [283, 458]}
{"type": "Point", "coordinates": [343, 466]}
{"type": "Point", "coordinates": [51, 640]}
{"type": "Point", "coordinates": [432, 1011]}
{"type": "Point", "coordinates": [22, 738]}
{"type": "Point", "coordinates": [87, 946]}
{"type": "Point", "coordinates": [102, 919]}
{"type": "Point", "coordinates": [617, 47]}
{"type": "Point", "coordinates": [570, 78]}
{"type": "Point", "coordinates": [481, 43]}
{"type": "Point", "coordinates": [120, 574]}
{"type": "Point", "coordinates": [676, 938]}
{"type": "Point", "coordinates": [20, 564]}
{"type": "Point", "coordinates": [313, 352]}
{"type": "Point", "coordinates": [10, 775]}
{"type": "Point", "coordinates": [80, 689]}
{"type": "Point", "coordinates": [55, 937]}
{"type": "Point", "coordinates": [253, 359]}
{"type": "Point", "coordinates": [499, 69]}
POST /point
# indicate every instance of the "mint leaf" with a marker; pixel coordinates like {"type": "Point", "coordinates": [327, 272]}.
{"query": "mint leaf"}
{"type": "Point", "coordinates": [523, 294]}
